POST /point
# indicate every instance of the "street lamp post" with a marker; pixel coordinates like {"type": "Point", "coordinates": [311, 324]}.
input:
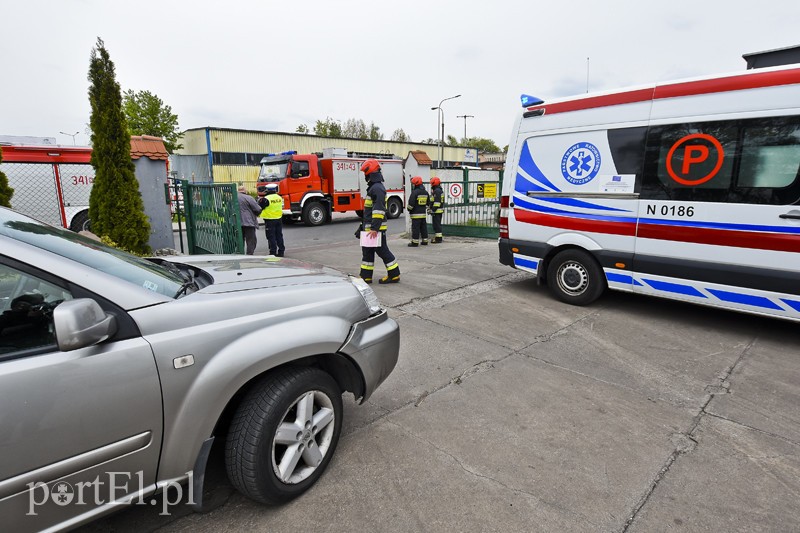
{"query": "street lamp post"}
{"type": "Point", "coordinates": [441, 118]}
{"type": "Point", "coordinates": [465, 117]}
{"type": "Point", "coordinates": [70, 135]}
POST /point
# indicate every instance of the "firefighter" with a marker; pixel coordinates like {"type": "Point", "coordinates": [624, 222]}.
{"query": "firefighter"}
{"type": "Point", "coordinates": [272, 214]}
{"type": "Point", "coordinates": [417, 206]}
{"type": "Point", "coordinates": [374, 222]}
{"type": "Point", "coordinates": [436, 202]}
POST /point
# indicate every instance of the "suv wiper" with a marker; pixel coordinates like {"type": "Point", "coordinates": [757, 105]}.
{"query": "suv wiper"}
{"type": "Point", "coordinates": [187, 284]}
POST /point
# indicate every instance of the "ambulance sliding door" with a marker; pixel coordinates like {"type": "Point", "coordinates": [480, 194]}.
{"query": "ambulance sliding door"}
{"type": "Point", "coordinates": [719, 221]}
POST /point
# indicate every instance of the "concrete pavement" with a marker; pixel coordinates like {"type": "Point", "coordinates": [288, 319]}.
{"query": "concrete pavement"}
{"type": "Point", "coordinates": [510, 411]}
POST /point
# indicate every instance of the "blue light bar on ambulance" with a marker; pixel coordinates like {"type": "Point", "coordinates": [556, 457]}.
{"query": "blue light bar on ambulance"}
{"type": "Point", "coordinates": [528, 100]}
{"type": "Point", "coordinates": [290, 152]}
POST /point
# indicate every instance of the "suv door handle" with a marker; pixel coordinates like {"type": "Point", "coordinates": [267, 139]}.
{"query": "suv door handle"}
{"type": "Point", "coordinates": [790, 215]}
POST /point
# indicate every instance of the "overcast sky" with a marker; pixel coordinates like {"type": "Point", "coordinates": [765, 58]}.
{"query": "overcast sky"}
{"type": "Point", "coordinates": [265, 65]}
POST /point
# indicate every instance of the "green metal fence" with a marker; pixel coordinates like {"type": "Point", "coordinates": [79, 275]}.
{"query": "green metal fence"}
{"type": "Point", "coordinates": [213, 220]}
{"type": "Point", "coordinates": [471, 208]}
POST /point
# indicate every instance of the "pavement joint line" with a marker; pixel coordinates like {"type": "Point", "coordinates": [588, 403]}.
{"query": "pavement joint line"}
{"type": "Point", "coordinates": [721, 378]}
{"type": "Point", "coordinates": [472, 472]}
{"type": "Point", "coordinates": [757, 430]}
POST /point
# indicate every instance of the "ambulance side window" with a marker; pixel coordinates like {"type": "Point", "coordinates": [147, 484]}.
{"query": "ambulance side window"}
{"type": "Point", "coordinates": [690, 162]}
{"type": "Point", "coordinates": [769, 167]}
{"type": "Point", "coordinates": [754, 161]}
{"type": "Point", "coordinates": [627, 148]}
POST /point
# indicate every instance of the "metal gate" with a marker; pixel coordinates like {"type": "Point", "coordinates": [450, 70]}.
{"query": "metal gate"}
{"type": "Point", "coordinates": [213, 220]}
{"type": "Point", "coordinates": [471, 207]}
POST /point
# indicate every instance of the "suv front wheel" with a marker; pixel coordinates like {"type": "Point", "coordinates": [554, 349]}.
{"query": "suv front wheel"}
{"type": "Point", "coordinates": [284, 434]}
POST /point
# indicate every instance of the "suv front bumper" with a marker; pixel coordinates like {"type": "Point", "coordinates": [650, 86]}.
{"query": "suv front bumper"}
{"type": "Point", "coordinates": [374, 345]}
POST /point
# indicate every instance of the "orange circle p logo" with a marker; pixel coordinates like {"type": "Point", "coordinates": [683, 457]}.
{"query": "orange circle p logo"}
{"type": "Point", "coordinates": [689, 158]}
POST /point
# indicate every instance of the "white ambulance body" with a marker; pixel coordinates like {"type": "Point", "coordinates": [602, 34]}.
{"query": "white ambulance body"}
{"type": "Point", "coordinates": [686, 190]}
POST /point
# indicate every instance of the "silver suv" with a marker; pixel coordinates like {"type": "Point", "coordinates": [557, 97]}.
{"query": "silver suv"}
{"type": "Point", "coordinates": [118, 373]}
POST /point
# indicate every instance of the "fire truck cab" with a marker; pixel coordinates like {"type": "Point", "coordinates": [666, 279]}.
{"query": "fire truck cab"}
{"type": "Point", "coordinates": [314, 186]}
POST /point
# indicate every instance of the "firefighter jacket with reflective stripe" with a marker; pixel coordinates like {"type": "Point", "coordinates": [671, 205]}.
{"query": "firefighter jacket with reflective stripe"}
{"type": "Point", "coordinates": [418, 202]}
{"type": "Point", "coordinates": [437, 200]}
{"type": "Point", "coordinates": [375, 203]}
{"type": "Point", "coordinates": [273, 206]}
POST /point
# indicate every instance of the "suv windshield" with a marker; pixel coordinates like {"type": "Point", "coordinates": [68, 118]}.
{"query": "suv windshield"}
{"type": "Point", "coordinates": [89, 252]}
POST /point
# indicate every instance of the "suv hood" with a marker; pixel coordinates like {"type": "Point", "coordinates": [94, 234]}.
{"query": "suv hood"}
{"type": "Point", "coordinates": [242, 272]}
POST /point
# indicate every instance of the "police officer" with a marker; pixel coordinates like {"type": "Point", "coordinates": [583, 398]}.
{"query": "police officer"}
{"type": "Point", "coordinates": [437, 208]}
{"type": "Point", "coordinates": [417, 206]}
{"type": "Point", "coordinates": [374, 222]}
{"type": "Point", "coordinates": [273, 215]}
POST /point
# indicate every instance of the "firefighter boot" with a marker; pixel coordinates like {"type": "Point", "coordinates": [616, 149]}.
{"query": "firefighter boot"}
{"type": "Point", "coordinates": [392, 275]}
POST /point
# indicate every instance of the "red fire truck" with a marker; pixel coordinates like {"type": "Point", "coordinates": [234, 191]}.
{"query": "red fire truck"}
{"type": "Point", "coordinates": [51, 183]}
{"type": "Point", "coordinates": [314, 187]}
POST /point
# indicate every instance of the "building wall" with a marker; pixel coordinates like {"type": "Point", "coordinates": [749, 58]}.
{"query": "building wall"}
{"type": "Point", "coordinates": [152, 175]}
{"type": "Point", "coordinates": [236, 153]}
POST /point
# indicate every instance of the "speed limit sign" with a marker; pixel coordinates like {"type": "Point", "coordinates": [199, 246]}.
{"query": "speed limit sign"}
{"type": "Point", "coordinates": [455, 190]}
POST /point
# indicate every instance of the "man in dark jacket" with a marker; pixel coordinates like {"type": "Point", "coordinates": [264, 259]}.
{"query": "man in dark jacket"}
{"type": "Point", "coordinates": [249, 211]}
{"type": "Point", "coordinates": [417, 207]}
{"type": "Point", "coordinates": [374, 221]}
{"type": "Point", "coordinates": [437, 208]}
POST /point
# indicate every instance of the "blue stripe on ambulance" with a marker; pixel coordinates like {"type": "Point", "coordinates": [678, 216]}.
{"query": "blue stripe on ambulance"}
{"type": "Point", "coordinates": [519, 202]}
{"type": "Point", "coordinates": [685, 289]}
{"type": "Point", "coordinates": [580, 203]}
{"type": "Point", "coordinates": [524, 262]}
{"type": "Point", "coordinates": [720, 225]}
{"type": "Point", "coordinates": [527, 204]}
{"type": "Point", "coordinates": [527, 165]}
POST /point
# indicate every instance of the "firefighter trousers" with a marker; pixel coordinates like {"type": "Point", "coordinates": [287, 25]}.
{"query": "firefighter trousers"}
{"type": "Point", "coordinates": [436, 220]}
{"type": "Point", "coordinates": [368, 260]}
{"type": "Point", "coordinates": [419, 227]}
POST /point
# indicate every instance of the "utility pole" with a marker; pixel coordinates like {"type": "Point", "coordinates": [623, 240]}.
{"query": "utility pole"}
{"type": "Point", "coordinates": [465, 117]}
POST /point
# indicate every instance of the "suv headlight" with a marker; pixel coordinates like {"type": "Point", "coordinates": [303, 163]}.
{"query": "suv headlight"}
{"type": "Point", "coordinates": [370, 298]}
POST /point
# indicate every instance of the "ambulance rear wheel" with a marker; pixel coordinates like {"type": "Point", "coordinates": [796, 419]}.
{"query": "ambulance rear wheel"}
{"type": "Point", "coordinates": [393, 208]}
{"type": "Point", "coordinates": [575, 277]}
{"type": "Point", "coordinates": [314, 214]}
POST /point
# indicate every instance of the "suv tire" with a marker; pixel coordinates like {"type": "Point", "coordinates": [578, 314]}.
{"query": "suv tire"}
{"type": "Point", "coordinates": [284, 434]}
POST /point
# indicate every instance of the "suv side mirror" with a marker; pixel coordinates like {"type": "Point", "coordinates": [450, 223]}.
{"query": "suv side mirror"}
{"type": "Point", "coordinates": [80, 323]}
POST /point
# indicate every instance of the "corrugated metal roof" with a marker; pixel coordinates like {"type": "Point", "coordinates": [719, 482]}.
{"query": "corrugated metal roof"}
{"type": "Point", "coordinates": [149, 147]}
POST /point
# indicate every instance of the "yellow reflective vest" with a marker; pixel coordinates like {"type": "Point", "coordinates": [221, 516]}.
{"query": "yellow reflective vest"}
{"type": "Point", "coordinates": [274, 209]}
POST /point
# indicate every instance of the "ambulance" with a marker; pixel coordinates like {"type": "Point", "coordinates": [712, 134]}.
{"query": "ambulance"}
{"type": "Point", "coordinates": [687, 190]}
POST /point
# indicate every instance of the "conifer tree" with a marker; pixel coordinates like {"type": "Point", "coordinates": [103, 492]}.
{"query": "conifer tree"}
{"type": "Point", "coordinates": [116, 209]}
{"type": "Point", "coordinates": [6, 192]}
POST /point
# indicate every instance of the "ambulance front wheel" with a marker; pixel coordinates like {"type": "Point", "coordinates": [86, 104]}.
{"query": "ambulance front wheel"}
{"type": "Point", "coordinates": [575, 277]}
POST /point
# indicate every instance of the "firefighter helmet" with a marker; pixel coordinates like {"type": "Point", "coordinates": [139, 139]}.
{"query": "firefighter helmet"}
{"type": "Point", "coordinates": [435, 181]}
{"type": "Point", "coordinates": [416, 180]}
{"type": "Point", "coordinates": [369, 166]}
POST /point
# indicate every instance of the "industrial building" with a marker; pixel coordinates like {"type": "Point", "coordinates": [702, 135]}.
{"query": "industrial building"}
{"type": "Point", "coordinates": [226, 155]}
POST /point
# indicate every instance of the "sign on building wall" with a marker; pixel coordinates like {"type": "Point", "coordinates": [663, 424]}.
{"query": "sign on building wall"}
{"type": "Point", "coordinates": [470, 155]}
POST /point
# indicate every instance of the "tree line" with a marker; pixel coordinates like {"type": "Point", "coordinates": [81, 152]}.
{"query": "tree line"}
{"type": "Point", "coordinates": [354, 128]}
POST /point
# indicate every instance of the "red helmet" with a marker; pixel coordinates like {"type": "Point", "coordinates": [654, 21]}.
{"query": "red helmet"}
{"type": "Point", "coordinates": [416, 180]}
{"type": "Point", "coordinates": [369, 166]}
{"type": "Point", "coordinates": [435, 181]}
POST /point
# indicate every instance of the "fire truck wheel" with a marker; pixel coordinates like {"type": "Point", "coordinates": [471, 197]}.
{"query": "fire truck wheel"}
{"type": "Point", "coordinates": [314, 214]}
{"type": "Point", "coordinates": [575, 277]}
{"type": "Point", "coordinates": [393, 208]}
{"type": "Point", "coordinates": [81, 222]}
